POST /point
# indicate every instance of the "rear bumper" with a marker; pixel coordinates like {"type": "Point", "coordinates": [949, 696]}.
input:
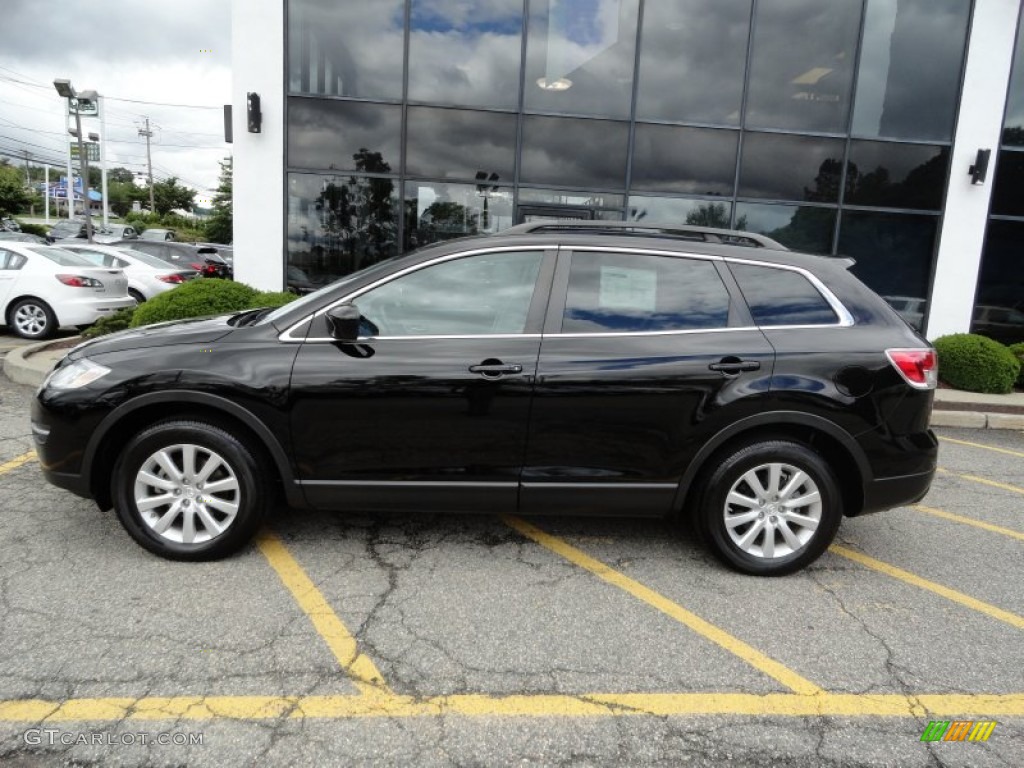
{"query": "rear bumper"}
{"type": "Point", "coordinates": [89, 310]}
{"type": "Point", "coordinates": [892, 492]}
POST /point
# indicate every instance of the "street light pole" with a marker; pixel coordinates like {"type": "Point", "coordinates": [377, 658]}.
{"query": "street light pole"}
{"type": "Point", "coordinates": [103, 163]}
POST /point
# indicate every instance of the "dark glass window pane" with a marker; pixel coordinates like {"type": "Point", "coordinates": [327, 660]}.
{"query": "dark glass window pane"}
{"type": "Point", "coordinates": [692, 57]}
{"type": "Point", "coordinates": [802, 65]}
{"type": "Point", "coordinates": [454, 143]}
{"type": "Point", "coordinates": [616, 293]}
{"type": "Point", "coordinates": [344, 135]}
{"type": "Point", "coordinates": [700, 161]}
{"type": "Point", "coordinates": [1008, 193]}
{"type": "Point", "coordinates": [484, 294]}
{"type": "Point", "coordinates": [466, 53]}
{"type": "Point", "coordinates": [574, 199]}
{"type": "Point", "coordinates": [437, 211]}
{"type": "Point", "coordinates": [352, 48]}
{"type": "Point", "coordinates": [679, 210]}
{"type": "Point", "coordinates": [338, 224]}
{"type": "Point", "coordinates": [894, 251]}
{"type": "Point", "coordinates": [999, 313]}
{"type": "Point", "coordinates": [782, 297]}
{"type": "Point", "coordinates": [910, 65]}
{"type": "Point", "coordinates": [896, 175]}
{"type": "Point", "coordinates": [802, 228]}
{"type": "Point", "coordinates": [791, 167]}
{"type": "Point", "coordinates": [579, 57]}
{"type": "Point", "coordinates": [1013, 132]}
{"type": "Point", "coordinates": [574, 153]}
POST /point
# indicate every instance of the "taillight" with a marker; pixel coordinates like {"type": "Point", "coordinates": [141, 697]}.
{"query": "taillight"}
{"type": "Point", "coordinates": [171, 278]}
{"type": "Point", "coordinates": [209, 269]}
{"type": "Point", "coordinates": [196, 266]}
{"type": "Point", "coordinates": [78, 281]}
{"type": "Point", "coordinates": [919, 367]}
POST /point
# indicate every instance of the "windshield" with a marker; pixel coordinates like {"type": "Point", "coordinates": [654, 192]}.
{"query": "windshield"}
{"type": "Point", "coordinates": [313, 298]}
{"type": "Point", "coordinates": [60, 256]}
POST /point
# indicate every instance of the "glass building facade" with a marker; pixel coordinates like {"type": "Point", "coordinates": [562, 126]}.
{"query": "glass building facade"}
{"type": "Point", "coordinates": [999, 304]}
{"type": "Point", "coordinates": [825, 124]}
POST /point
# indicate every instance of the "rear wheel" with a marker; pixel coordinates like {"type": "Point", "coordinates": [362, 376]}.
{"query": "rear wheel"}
{"type": "Point", "coordinates": [32, 319]}
{"type": "Point", "coordinates": [139, 298]}
{"type": "Point", "coordinates": [190, 490]}
{"type": "Point", "coordinates": [770, 508]}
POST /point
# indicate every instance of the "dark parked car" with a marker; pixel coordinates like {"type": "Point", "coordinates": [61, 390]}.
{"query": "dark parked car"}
{"type": "Point", "coordinates": [66, 228]}
{"type": "Point", "coordinates": [204, 259]}
{"type": "Point", "coordinates": [756, 394]}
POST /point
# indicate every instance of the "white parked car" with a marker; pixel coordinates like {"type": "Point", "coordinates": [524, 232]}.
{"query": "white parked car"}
{"type": "Point", "coordinates": [147, 275]}
{"type": "Point", "coordinates": [43, 288]}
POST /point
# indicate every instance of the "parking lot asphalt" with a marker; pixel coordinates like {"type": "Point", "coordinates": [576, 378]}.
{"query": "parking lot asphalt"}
{"type": "Point", "coordinates": [346, 639]}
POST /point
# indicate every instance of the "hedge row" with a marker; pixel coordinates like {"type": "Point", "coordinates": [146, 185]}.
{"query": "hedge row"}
{"type": "Point", "coordinates": [979, 364]}
{"type": "Point", "coordinates": [196, 298]}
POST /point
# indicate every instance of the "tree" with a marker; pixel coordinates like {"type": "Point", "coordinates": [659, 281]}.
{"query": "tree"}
{"type": "Point", "coordinates": [122, 194]}
{"type": "Point", "coordinates": [220, 227]}
{"type": "Point", "coordinates": [713, 215]}
{"type": "Point", "coordinates": [168, 195]}
{"type": "Point", "coordinates": [13, 196]}
{"type": "Point", "coordinates": [120, 174]}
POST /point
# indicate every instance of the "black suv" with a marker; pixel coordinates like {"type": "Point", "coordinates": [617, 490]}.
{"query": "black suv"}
{"type": "Point", "coordinates": [758, 395]}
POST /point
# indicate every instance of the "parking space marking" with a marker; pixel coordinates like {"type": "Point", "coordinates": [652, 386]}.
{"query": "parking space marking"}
{"type": "Point", "coordinates": [982, 445]}
{"type": "Point", "coordinates": [364, 673]}
{"type": "Point", "coordinates": [527, 705]}
{"type": "Point", "coordinates": [14, 463]}
{"type": "Point", "coordinates": [917, 581]}
{"type": "Point", "coordinates": [709, 631]}
{"type": "Point", "coordinates": [983, 481]}
{"type": "Point", "coordinates": [969, 521]}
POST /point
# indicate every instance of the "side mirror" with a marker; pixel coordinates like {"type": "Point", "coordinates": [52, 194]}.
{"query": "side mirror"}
{"type": "Point", "coordinates": [343, 322]}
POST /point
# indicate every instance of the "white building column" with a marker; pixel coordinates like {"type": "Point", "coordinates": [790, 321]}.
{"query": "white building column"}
{"type": "Point", "coordinates": [257, 64]}
{"type": "Point", "coordinates": [979, 126]}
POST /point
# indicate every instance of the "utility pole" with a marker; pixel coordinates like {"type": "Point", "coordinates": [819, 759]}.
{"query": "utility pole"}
{"type": "Point", "coordinates": [83, 164]}
{"type": "Point", "coordinates": [149, 162]}
{"type": "Point", "coordinates": [28, 179]}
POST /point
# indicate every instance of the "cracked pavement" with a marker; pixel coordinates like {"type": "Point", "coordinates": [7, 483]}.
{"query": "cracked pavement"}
{"type": "Point", "coordinates": [451, 606]}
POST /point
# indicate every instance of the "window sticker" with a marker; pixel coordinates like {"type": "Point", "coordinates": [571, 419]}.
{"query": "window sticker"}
{"type": "Point", "coordinates": [625, 288]}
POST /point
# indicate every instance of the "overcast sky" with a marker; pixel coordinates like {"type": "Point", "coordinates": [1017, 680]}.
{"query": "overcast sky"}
{"type": "Point", "coordinates": [166, 51]}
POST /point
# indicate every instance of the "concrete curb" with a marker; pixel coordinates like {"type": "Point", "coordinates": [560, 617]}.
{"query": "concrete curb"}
{"type": "Point", "coordinates": [24, 365]}
{"type": "Point", "coordinates": [977, 420]}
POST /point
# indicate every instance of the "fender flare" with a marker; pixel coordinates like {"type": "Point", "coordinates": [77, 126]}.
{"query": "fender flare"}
{"type": "Point", "coordinates": [277, 454]}
{"type": "Point", "coordinates": [774, 418]}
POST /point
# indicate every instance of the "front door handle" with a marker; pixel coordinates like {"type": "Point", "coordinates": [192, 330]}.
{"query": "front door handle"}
{"type": "Point", "coordinates": [492, 369]}
{"type": "Point", "coordinates": [733, 365]}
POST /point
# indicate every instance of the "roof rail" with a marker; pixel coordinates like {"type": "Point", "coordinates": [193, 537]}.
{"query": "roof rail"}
{"type": "Point", "coordinates": [695, 233]}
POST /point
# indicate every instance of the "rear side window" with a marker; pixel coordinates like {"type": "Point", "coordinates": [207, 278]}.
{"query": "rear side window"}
{"type": "Point", "coordinates": [782, 297]}
{"type": "Point", "coordinates": [628, 293]}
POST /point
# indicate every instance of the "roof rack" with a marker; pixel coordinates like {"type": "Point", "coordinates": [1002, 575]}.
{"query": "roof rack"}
{"type": "Point", "coordinates": [693, 233]}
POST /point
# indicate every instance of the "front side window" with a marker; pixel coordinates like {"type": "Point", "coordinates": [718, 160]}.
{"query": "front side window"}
{"type": "Point", "coordinates": [477, 295]}
{"type": "Point", "coordinates": [782, 297]}
{"type": "Point", "coordinates": [630, 293]}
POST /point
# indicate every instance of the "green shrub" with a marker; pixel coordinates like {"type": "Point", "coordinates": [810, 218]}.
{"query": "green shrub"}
{"type": "Point", "coordinates": [976, 363]}
{"type": "Point", "coordinates": [119, 321]}
{"type": "Point", "coordinates": [1018, 352]}
{"type": "Point", "coordinates": [196, 298]}
{"type": "Point", "coordinates": [274, 298]}
{"type": "Point", "coordinates": [33, 229]}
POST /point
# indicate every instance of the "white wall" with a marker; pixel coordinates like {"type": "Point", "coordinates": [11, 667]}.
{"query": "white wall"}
{"type": "Point", "coordinates": [257, 63]}
{"type": "Point", "coordinates": [979, 126]}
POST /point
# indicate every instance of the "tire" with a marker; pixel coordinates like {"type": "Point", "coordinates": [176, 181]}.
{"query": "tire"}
{"type": "Point", "coordinates": [32, 319]}
{"type": "Point", "coordinates": [139, 298]}
{"type": "Point", "coordinates": [222, 520]}
{"type": "Point", "coordinates": [744, 502]}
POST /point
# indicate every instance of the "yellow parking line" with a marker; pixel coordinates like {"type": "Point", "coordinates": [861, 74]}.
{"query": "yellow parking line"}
{"type": "Point", "coordinates": [363, 671]}
{"type": "Point", "coordinates": [983, 481]}
{"type": "Point", "coordinates": [705, 629]}
{"type": "Point", "coordinates": [910, 578]}
{"type": "Point", "coordinates": [25, 458]}
{"type": "Point", "coordinates": [969, 521]}
{"type": "Point", "coordinates": [982, 445]}
{"type": "Point", "coordinates": [538, 705]}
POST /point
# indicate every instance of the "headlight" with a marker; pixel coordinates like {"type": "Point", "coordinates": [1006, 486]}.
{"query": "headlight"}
{"type": "Point", "coordinates": [81, 372]}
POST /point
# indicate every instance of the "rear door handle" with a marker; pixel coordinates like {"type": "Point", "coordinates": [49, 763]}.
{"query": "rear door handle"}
{"type": "Point", "coordinates": [493, 370]}
{"type": "Point", "coordinates": [734, 365]}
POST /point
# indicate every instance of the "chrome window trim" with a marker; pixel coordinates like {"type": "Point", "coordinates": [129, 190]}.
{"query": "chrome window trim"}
{"type": "Point", "coordinates": [287, 337]}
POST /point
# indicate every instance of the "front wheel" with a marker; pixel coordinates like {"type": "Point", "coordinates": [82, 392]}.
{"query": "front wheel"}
{"type": "Point", "coordinates": [190, 490]}
{"type": "Point", "coordinates": [771, 508]}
